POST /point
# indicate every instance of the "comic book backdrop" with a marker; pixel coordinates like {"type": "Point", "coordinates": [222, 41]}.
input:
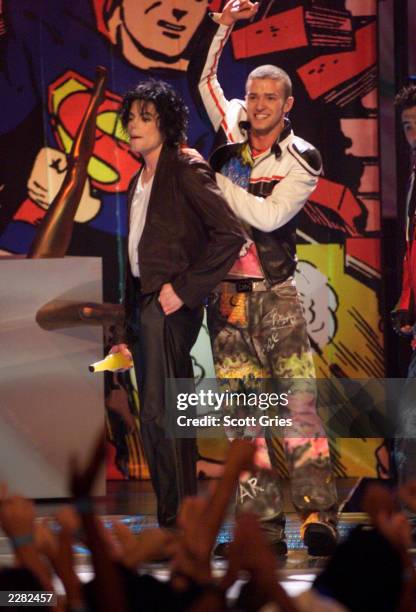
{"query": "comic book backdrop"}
{"type": "Point", "coordinates": [49, 51]}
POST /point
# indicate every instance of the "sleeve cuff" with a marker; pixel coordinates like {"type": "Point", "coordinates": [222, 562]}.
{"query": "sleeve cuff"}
{"type": "Point", "coordinates": [216, 18]}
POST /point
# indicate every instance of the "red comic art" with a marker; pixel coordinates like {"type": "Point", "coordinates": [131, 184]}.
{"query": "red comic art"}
{"type": "Point", "coordinates": [283, 31]}
{"type": "Point", "coordinates": [293, 29]}
{"type": "Point", "coordinates": [112, 164]}
{"type": "Point", "coordinates": [323, 75]}
{"type": "Point", "coordinates": [338, 207]}
{"type": "Point", "coordinates": [362, 255]}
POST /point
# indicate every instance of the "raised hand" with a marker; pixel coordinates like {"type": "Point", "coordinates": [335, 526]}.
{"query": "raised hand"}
{"type": "Point", "coordinates": [238, 9]}
{"type": "Point", "coordinates": [407, 494]}
{"type": "Point", "coordinates": [108, 584]}
{"type": "Point", "coordinates": [251, 553]}
{"type": "Point", "coordinates": [148, 546]}
{"type": "Point", "coordinates": [192, 549]}
{"type": "Point", "coordinates": [200, 519]}
{"type": "Point", "coordinates": [17, 515]}
{"type": "Point", "coordinates": [58, 550]}
{"type": "Point", "coordinates": [17, 518]}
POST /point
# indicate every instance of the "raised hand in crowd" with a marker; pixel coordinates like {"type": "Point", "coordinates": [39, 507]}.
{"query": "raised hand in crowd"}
{"type": "Point", "coordinates": [254, 556]}
{"type": "Point", "coordinates": [57, 547]}
{"type": "Point", "coordinates": [150, 545]}
{"type": "Point", "coordinates": [200, 519]}
{"type": "Point", "coordinates": [109, 592]}
{"type": "Point", "coordinates": [407, 494]}
{"type": "Point", "coordinates": [17, 519]}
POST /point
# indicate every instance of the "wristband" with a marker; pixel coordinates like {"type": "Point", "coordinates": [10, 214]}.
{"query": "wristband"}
{"type": "Point", "coordinates": [21, 540]}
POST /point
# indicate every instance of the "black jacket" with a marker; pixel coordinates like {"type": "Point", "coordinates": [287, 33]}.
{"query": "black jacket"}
{"type": "Point", "coordinates": [191, 237]}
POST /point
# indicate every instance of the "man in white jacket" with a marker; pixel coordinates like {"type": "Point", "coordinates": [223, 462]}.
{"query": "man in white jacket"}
{"type": "Point", "coordinates": [255, 319]}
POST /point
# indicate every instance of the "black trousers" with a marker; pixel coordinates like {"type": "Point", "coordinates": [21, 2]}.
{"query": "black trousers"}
{"type": "Point", "coordinates": [161, 348]}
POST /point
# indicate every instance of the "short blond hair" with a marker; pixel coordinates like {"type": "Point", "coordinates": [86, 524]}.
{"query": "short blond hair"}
{"type": "Point", "coordinates": [268, 71]}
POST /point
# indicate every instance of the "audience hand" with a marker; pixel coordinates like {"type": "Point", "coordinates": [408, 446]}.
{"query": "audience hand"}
{"type": "Point", "coordinates": [192, 550]}
{"type": "Point", "coordinates": [17, 519]}
{"type": "Point", "coordinates": [407, 494]}
{"type": "Point", "coordinates": [254, 555]}
{"type": "Point", "coordinates": [148, 546]}
{"type": "Point", "coordinates": [17, 516]}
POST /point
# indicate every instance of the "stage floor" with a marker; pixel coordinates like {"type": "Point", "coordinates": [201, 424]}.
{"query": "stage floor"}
{"type": "Point", "coordinates": [133, 502]}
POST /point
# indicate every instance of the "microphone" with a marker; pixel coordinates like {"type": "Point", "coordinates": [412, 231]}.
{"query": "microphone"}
{"type": "Point", "coordinates": [112, 363]}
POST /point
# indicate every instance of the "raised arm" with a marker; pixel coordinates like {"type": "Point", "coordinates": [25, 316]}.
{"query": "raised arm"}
{"type": "Point", "coordinates": [206, 90]}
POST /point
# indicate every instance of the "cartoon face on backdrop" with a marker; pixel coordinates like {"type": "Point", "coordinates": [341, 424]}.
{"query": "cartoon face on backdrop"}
{"type": "Point", "coordinates": [152, 33]}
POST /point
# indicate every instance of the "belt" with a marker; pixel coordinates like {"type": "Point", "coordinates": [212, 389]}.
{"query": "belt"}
{"type": "Point", "coordinates": [242, 286]}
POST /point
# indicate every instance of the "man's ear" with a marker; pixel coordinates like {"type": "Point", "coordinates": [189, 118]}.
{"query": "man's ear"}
{"type": "Point", "coordinates": [289, 104]}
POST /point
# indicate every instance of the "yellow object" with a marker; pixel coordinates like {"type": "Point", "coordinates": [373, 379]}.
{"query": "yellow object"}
{"type": "Point", "coordinates": [112, 363]}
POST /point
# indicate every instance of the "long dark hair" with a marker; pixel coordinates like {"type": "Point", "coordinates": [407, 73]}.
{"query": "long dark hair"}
{"type": "Point", "coordinates": [172, 111]}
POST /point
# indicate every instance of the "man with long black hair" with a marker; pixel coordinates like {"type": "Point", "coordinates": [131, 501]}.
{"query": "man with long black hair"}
{"type": "Point", "coordinates": [182, 239]}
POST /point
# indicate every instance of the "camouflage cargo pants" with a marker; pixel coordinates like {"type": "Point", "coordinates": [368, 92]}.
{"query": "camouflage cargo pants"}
{"type": "Point", "coordinates": [262, 335]}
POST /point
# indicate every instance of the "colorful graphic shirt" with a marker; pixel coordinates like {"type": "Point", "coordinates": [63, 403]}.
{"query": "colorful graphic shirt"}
{"type": "Point", "coordinates": [247, 265]}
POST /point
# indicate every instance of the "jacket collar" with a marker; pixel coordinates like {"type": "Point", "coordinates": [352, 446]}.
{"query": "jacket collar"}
{"type": "Point", "coordinates": [224, 152]}
{"type": "Point", "coordinates": [285, 133]}
{"type": "Point", "coordinates": [166, 154]}
{"type": "Point", "coordinates": [275, 148]}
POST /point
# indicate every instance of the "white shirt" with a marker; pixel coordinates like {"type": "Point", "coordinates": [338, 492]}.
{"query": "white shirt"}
{"type": "Point", "coordinates": [138, 213]}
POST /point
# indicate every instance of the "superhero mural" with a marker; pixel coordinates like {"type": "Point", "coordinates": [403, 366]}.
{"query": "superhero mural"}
{"type": "Point", "coordinates": [49, 52]}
